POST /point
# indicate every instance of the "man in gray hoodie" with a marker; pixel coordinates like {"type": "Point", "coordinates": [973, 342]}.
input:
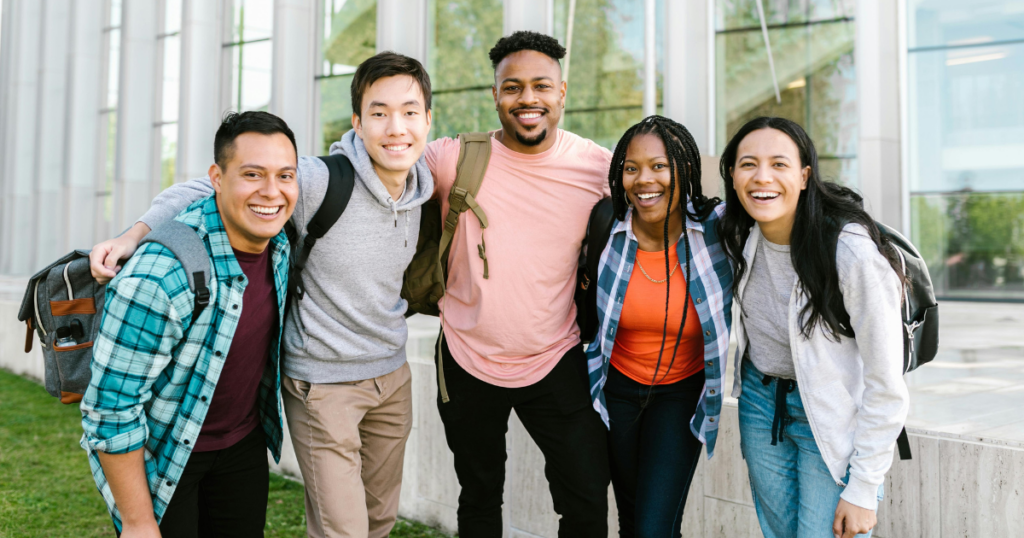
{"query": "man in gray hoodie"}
{"type": "Point", "coordinates": [346, 387]}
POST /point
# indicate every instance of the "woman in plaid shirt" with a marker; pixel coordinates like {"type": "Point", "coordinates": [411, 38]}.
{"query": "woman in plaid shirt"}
{"type": "Point", "coordinates": [656, 372]}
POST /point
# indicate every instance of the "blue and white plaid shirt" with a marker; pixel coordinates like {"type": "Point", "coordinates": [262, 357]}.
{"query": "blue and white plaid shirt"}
{"type": "Point", "coordinates": [154, 371]}
{"type": "Point", "coordinates": [711, 290]}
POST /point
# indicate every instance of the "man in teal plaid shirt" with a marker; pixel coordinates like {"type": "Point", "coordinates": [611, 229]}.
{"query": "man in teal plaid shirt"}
{"type": "Point", "coordinates": [180, 412]}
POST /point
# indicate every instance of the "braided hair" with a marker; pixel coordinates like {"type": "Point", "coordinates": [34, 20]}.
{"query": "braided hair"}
{"type": "Point", "coordinates": [684, 160]}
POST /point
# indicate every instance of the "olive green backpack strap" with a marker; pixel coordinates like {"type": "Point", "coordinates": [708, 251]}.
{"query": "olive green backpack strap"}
{"type": "Point", "coordinates": [474, 155]}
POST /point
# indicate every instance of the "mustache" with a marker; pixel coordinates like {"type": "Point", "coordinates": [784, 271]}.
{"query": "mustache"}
{"type": "Point", "coordinates": [542, 110]}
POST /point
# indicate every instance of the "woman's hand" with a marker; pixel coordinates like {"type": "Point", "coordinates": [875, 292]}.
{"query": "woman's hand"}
{"type": "Point", "coordinates": [852, 520]}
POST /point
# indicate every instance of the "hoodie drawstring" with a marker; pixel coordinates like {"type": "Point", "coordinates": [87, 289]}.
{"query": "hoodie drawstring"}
{"type": "Point", "coordinates": [407, 229]}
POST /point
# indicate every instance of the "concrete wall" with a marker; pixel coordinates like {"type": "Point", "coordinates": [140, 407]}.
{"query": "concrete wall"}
{"type": "Point", "coordinates": [954, 486]}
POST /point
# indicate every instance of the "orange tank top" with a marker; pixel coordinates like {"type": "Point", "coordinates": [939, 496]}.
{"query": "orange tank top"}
{"type": "Point", "coordinates": [638, 336]}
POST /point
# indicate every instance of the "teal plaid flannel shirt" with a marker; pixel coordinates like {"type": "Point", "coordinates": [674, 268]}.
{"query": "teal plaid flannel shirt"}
{"type": "Point", "coordinates": [711, 290]}
{"type": "Point", "coordinates": [154, 368]}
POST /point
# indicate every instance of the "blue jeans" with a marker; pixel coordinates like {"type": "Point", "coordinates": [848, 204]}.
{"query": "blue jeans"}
{"type": "Point", "coordinates": [794, 493]}
{"type": "Point", "coordinates": [652, 452]}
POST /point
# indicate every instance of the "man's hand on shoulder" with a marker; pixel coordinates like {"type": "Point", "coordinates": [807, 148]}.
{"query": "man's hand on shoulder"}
{"type": "Point", "coordinates": [104, 260]}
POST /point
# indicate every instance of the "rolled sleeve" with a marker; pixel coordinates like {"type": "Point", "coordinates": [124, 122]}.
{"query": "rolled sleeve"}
{"type": "Point", "coordinates": [139, 329]}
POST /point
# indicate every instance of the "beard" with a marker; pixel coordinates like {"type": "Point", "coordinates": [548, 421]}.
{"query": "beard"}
{"type": "Point", "coordinates": [536, 140]}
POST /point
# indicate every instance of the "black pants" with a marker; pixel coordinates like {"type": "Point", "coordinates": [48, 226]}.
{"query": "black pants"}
{"type": "Point", "coordinates": [558, 414]}
{"type": "Point", "coordinates": [653, 453]}
{"type": "Point", "coordinates": [221, 493]}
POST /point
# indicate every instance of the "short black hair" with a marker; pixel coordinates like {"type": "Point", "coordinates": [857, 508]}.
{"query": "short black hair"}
{"type": "Point", "coordinates": [525, 40]}
{"type": "Point", "coordinates": [239, 123]}
{"type": "Point", "coordinates": [387, 64]}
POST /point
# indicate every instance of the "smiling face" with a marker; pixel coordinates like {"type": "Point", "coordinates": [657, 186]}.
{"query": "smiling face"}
{"type": "Point", "coordinates": [257, 189]}
{"type": "Point", "coordinates": [646, 179]}
{"type": "Point", "coordinates": [768, 177]}
{"type": "Point", "coordinates": [529, 94]}
{"type": "Point", "coordinates": [393, 124]}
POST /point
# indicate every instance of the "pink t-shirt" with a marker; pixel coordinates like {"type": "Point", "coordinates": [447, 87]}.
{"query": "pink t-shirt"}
{"type": "Point", "coordinates": [511, 328]}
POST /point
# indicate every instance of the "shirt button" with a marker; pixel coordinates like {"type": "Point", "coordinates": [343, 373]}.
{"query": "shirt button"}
{"type": "Point", "coordinates": [234, 307]}
{"type": "Point", "coordinates": [711, 363]}
{"type": "Point", "coordinates": [186, 442]}
{"type": "Point", "coordinates": [698, 300]}
{"type": "Point", "coordinates": [170, 482]}
{"type": "Point", "coordinates": [712, 419]}
{"type": "Point", "coordinates": [241, 279]}
{"type": "Point", "coordinates": [217, 353]}
{"type": "Point", "coordinates": [712, 392]}
{"type": "Point", "coordinates": [708, 333]}
{"type": "Point", "coordinates": [202, 398]}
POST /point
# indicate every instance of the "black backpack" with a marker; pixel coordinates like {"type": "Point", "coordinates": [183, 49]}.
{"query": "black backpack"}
{"type": "Point", "coordinates": [599, 227]}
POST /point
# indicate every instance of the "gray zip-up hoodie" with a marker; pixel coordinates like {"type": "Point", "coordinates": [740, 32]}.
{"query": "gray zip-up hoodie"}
{"type": "Point", "coordinates": [351, 324]}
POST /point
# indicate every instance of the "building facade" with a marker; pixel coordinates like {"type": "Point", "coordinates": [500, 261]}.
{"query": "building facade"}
{"type": "Point", "coordinates": [914, 103]}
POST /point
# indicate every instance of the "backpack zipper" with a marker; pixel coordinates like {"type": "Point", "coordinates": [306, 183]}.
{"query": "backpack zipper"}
{"type": "Point", "coordinates": [39, 319]}
{"type": "Point", "coordinates": [67, 281]}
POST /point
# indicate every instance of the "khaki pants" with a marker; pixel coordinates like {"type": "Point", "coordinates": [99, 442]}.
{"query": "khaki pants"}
{"type": "Point", "coordinates": [350, 442]}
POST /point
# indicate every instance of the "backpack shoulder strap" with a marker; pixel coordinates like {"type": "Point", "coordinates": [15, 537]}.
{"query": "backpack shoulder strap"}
{"type": "Point", "coordinates": [340, 184]}
{"type": "Point", "coordinates": [598, 230]}
{"type": "Point", "coordinates": [186, 245]}
{"type": "Point", "coordinates": [474, 155]}
{"type": "Point", "coordinates": [599, 227]}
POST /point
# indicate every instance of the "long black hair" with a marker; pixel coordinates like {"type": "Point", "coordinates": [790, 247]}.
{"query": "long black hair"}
{"type": "Point", "coordinates": [684, 159]}
{"type": "Point", "coordinates": [821, 212]}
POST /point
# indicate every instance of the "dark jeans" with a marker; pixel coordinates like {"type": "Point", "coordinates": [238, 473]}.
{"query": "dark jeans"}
{"type": "Point", "coordinates": [653, 453]}
{"type": "Point", "coordinates": [221, 493]}
{"type": "Point", "coordinates": [558, 414]}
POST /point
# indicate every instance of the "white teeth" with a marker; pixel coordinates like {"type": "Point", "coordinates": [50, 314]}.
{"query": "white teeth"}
{"type": "Point", "coordinates": [397, 148]}
{"type": "Point", "coordinates": [648, 195]}
{"type": "Point", "coordinates": [764, 195]}
{"type": "Point", "coordinates": [530, 115]}
{"type": "Point", "coordinates": [262, 210]}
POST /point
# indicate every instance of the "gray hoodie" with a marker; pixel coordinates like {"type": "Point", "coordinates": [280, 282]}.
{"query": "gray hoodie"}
{"type": "Point", "coordinates": [350, 325]}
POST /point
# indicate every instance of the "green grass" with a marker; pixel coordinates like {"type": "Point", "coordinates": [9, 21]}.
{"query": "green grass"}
{"type": "Point", "coordinates": [46, 488]}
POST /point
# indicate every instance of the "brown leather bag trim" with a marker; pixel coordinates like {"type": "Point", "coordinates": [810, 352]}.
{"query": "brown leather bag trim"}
{"type": "Point", "coordinates": [77, 306]}
{"type": "Point", "coordinates": [70, 397]}
{"type": "Point", "coordinates": [28, 336]}
{"type": "Point", "coordinates": [72, 348]}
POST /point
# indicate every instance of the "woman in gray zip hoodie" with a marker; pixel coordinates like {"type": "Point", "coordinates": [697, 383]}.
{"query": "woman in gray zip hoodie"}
{"type": "Point", "coordinates": [819, 368]}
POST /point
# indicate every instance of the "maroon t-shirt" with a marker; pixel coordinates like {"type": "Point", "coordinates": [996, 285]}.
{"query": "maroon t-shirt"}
{"type": "Point", "coordinates": [233, 411]}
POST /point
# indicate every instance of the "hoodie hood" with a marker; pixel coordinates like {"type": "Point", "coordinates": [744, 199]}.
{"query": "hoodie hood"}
{"type": "Point", "coordinates": [419, 186]}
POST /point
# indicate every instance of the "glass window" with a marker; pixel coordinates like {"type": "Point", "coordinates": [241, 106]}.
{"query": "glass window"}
{"type": "Point", "coordinates": [167, 124]}
{"type": "Point", "coordinates": [606, 66]}
{"type": "Point", "coordinates": [350, 36]}
{"type": "Point", "coordinates": [108, 121]}
{"type": "Point", "coordinates": [251, 30]}
{"type": "Point", "coordinates": [812, 48]}
{"type": "Point", "coordinates": [460, 33]}
{"type": "Point", "coordinates": [966, 144]}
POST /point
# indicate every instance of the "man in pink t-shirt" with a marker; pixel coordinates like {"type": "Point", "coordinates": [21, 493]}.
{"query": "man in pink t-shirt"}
{"type": "Point", "coordinates": [510, 338]}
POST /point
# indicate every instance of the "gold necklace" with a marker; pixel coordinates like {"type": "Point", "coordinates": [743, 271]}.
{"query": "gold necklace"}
{"type": "Point", "coordinates": [649, 276]}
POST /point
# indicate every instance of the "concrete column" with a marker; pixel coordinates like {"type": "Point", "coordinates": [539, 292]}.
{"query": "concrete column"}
{"type": "Point", "coordinates": [81, 166]}
{"type": "Point", "coordinates": [199, 108]}
{"type": "Point", "coordinates": [402, 27]}
{"type": "Point", "coordinates": [878, 95]}
{"type": "Point", "coordinates": [532, 15]}
{"type": "Point", "coordinates": [689, 44]}
{"type": "Point", "coordinates": [689, 79]}
{"type": "Point", "coordinates": [50, 144]}
{"type": "Point", "coordinates": [23, 39]}
{"type": "Point", "coordinates": [294, 68]}
{"type": "Point", "coordinates": [134, 181]}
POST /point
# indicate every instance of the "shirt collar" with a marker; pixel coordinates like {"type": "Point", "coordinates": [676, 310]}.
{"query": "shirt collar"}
{"type": "Point", "coordinates": [626, 225]}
